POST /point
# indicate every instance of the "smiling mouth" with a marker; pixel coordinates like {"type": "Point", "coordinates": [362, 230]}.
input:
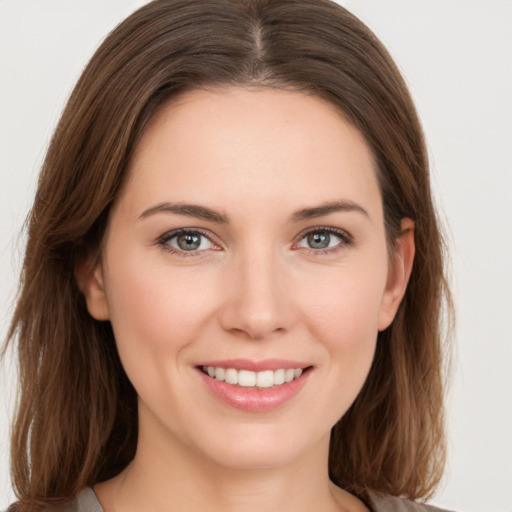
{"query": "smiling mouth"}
{"type": "Point", "coordinates": [250, 379]}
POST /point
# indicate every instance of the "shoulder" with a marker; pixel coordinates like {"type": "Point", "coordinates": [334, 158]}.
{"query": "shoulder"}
{"type": "Point", "coordinates": [382, 503]}
{"type": "Point", "coordinates": [86, 501]}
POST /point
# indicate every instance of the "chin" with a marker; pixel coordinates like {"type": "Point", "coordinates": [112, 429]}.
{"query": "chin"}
{"type": "Point", "coordinates": [260, 447]}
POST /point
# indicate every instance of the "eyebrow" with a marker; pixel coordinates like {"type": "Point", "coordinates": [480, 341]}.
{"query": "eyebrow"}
{"type": "Point", "coordinates": [188, 210]}
{"type": "Point", "coordinates": [326, 209]}
{"type": "Point", "coordinates": [219, 217]}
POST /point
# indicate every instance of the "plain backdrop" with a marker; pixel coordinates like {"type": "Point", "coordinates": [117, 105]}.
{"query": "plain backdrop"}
{"type": "Point", "coordinates": [456, 56]}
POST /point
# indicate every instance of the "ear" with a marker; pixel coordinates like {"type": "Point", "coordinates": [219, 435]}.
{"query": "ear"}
{"type": "Point", "coordinates": [399, 272]}
{"type": "Point", "coordinates": [90, 279]}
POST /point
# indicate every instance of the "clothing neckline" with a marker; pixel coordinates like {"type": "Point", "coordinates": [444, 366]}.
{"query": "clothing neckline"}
{"type": "Point", "coordinates": [90, 500]}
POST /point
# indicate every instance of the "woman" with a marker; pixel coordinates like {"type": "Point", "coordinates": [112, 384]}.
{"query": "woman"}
{"type": "Point", "coordinates": [234, 274]}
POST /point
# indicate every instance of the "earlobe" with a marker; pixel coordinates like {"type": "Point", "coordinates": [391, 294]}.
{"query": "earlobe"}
{"type": "Point", "coordinates": [90, 280]}
{"type": "Point", "coordinates": [398, 275]}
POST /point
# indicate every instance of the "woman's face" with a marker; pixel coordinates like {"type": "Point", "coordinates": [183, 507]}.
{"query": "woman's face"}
{"type": "Point", "coordinates": [248, 242]}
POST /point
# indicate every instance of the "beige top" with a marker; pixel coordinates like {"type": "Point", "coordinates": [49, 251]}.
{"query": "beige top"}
{"type": "Point", "coordinates": [88, 502]}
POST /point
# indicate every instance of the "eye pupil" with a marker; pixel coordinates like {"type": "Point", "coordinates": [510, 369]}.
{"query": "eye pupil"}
{"type": "Point", "coordinates": [188, 241]}
{"type": "Point", "coordinates": [319, 240]}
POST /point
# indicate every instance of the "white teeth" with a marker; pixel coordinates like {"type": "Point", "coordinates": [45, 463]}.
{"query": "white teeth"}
{"type": "Point", "coordinates": [247, 378]}
{"type": "Point", "coordinates": [279, 377]}
{"type": "Point", "coordinates": [220, 373]}
{"type": "Point", "coordinates": [231, 376]}
{"type": "Point", "coordinates": [265, 379]}
{"type": "Point", "coordinates": [289, 374]}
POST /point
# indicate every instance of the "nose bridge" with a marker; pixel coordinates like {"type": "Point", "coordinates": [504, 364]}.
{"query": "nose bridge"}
{"type": "Point", "coordinates": [256, 301]}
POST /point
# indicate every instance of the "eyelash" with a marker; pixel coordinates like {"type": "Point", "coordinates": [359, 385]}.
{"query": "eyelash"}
{"type": "Point", "coordinates": [346, 241]}
{"type": "Point", "coordinates": [164, 240]}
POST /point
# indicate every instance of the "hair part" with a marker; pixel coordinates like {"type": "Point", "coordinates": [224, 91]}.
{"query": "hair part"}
{"type": "Point", "coordinates": [76, 420]}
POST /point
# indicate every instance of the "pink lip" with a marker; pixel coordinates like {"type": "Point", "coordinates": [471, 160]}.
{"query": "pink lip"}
{"type": "Point", "coordinates": [256, 366]}
{"type": "Point", "coordinates": [254, 399]}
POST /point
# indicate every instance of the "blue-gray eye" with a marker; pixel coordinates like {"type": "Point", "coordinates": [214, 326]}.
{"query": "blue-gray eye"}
{"type": "Point", "coordinates": [320, 240]}
{"type": "Point", "coordinates": [189, 241]}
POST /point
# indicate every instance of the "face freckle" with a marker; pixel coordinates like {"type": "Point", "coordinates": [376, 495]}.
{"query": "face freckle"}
{"type": "Point", "coordinates": [249, 231]}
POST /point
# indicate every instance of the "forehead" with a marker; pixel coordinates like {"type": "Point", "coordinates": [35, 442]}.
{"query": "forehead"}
{"type": "Point", "coordinates": [271, 144]}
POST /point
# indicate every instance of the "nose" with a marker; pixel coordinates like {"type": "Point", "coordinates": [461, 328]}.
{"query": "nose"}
{"type": "Point", "coordinates": [257, 301]}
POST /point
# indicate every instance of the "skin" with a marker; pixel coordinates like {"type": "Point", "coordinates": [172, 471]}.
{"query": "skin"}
{"type": "Point", "coordinates": [254, 289]}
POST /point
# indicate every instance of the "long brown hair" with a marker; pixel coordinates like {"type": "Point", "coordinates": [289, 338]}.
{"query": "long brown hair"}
{"type": "Point", "coordinates": [76, 421]}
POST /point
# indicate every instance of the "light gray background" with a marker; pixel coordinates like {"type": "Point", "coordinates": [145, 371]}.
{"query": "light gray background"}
{"type": "Point", "coordinates": [457, 58]}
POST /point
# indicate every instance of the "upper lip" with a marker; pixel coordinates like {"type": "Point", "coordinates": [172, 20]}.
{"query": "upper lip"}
{"type": "Point", "coordinates": [256, 366]}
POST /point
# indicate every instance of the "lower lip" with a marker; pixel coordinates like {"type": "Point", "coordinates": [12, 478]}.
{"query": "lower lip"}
{"type": "Point", "coordinates": [254, 399]}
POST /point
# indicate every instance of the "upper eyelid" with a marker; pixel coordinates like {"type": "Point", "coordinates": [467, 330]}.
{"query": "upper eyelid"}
{"type": "Point", "coordinates": [339, 231]}
{"type": "Point", "coordinates": [174, 232]}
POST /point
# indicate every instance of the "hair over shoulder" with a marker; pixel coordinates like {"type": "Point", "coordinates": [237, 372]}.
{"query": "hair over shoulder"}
{"type": "Point", "coordinates": [76, 418]}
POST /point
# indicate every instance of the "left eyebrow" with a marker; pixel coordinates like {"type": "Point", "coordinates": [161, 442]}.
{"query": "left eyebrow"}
{"type": "Point", "coordinates": [326, 209]}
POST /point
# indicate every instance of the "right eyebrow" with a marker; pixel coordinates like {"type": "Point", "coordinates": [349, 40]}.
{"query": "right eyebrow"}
{"type": "Point", "coordinates": [188, 210]}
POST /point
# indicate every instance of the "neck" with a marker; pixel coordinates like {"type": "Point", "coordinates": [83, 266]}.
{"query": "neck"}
{"type": "Point", "coordinates": [169, 476]}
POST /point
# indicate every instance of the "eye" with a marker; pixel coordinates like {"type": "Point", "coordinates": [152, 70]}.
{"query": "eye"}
{"type": "Point", "coordinates": [186, 241]}
{"type": "Point", "coordinates": [322, 239]}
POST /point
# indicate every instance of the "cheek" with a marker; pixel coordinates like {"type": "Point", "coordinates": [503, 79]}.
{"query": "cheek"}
{"type": "Point", "coordinates": [344, 305]}
{"type": "Point", "coordinates": [343, 314]}
{"type": "Point", "coordinates": [157, 314]}
{"type": "Point", "coordinates": [347, 325]}
{"type": "Point", "coordinates": [155, 310]}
